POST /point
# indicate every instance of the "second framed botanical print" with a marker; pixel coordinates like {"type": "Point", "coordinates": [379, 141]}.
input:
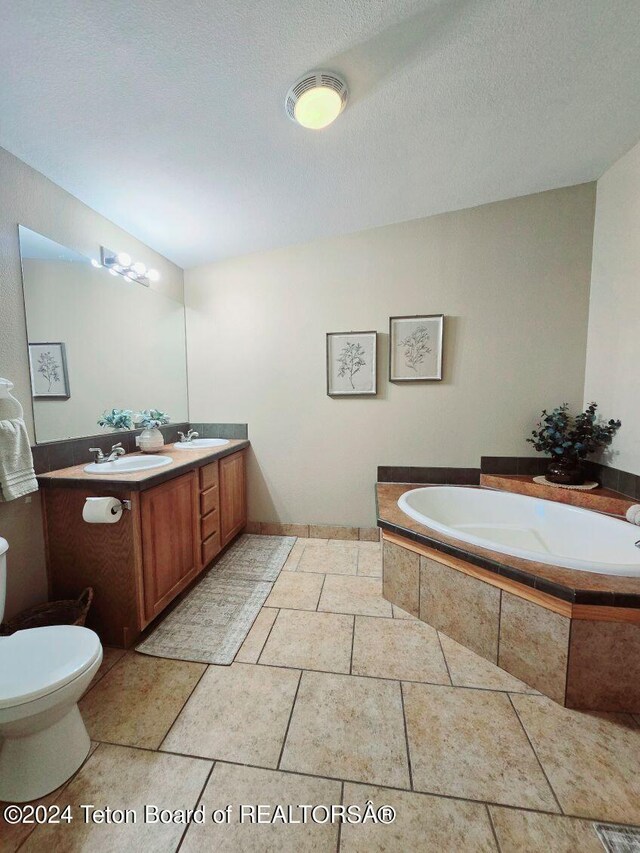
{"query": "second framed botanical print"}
{"type": "Point", "coordinates": [415, 348]}
{"type": "Point", "coordinates": [351, 363]}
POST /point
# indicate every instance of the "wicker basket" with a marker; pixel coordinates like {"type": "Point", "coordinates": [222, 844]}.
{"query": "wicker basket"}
{"type": "Point", "coordinates": [69, 612]}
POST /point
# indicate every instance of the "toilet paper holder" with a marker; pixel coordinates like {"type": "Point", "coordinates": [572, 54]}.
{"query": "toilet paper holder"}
{"type": "Point", "coordinates": [104, 509]}
{"type": "Point", "coordinates": [125, 504]}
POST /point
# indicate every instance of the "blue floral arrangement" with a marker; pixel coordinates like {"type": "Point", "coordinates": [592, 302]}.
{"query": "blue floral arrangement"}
{"type": "Point", "coordinates": [126, 419]}
{"type": "Point", "coordinates": [150, 418]}
{"type": "Point", "coordinates": [116, 419]}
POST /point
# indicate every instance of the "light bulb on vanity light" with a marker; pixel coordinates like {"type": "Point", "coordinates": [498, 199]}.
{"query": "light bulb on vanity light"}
{"type": "Point", "coordinates": [124, 259]}
{"type": "Point", "coordinates": [153, 275]}
{"type": "Point", "coordinates": [139, 268]}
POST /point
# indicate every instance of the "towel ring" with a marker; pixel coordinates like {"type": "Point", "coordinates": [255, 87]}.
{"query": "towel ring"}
{"type": "Point", "coordinates": [8, 401]}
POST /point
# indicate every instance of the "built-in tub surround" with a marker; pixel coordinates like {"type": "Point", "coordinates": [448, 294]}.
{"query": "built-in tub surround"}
{"type": "Point", "coordinates": [527, 527]}
{"type": "Point", "coordinates": [601, 499]}
{"type": "Point", "coordinates": [573, 635]}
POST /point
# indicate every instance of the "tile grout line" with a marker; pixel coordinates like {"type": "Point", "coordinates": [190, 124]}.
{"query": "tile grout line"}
{"type": "Point", "coordinates": [544, 772]}
{"type": "Point", "coordinates": [493, 829]}
{"type": "Point", "coordinates": [95, 682]}
{"type": "Point", "coordinates": [286, 731]}
{"type": "Point", "coordinates": [406, 736]}
{"type": "Point", "coordinates": [266, 640]}
{"type": "Point", "coordinates": [340, 612]}
{"type": "Point", "coordinates": [339, 839]}
{"type": "Point", "coordinates": [446, 662]}
{"type": "Point", "coordinates": [166, 734]}
{"type": "Point", "coordinates": [383, 677]}
{"type": "Point", "coordinates": [353, 641]}
{"type": "Point", "coordinates": [306, 774]}
{"type": "Point", "coordinates": [324, 580]}
{"type": "Point", "coordinates": [198, 798]}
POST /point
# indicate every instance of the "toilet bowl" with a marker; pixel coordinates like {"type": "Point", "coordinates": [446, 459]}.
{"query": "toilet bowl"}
{"type": "Point", "coordinates": [43, 674]}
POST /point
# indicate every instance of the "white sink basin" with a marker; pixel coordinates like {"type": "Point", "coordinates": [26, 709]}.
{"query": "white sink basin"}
{"type": "Point", "coordinates": [128, 464]}
{"type": "Point", "coordinates": [199, 443]}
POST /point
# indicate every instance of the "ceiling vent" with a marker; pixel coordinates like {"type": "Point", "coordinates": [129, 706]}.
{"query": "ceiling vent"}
{"type": "Point", "coordinates": [316, 99]}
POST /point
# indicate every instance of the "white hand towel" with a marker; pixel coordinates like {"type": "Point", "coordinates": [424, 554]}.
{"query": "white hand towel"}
{"type": "Point", "coordinates": [17, 477]}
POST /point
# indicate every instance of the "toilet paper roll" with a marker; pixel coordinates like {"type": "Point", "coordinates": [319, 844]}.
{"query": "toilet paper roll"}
{"type": "Point", "coordinates": [102, 510]}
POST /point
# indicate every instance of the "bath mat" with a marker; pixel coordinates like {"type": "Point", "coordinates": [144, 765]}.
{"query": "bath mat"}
{"type": "Point", "coordinates": [211, 622]}
{"type": "Point", "coordinates": [585, 487]}
{"type": "Point", "coordinates": [618, 839]}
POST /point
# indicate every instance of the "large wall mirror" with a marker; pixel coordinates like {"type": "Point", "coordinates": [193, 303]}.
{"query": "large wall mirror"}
{"type": "Point", "coordinates": [96, 341]}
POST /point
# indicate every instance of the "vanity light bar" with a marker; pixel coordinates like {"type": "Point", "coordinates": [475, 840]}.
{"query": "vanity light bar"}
{"type": "Point", "coordinates": [121, 263]}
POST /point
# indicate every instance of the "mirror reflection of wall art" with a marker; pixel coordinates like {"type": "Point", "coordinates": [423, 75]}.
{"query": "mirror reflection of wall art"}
{"type": "Point", "coordinates": [351, 363]}
{"type": "Point", "coordinates": [48, 365]}
{"type": "Point", "coordinates": [415, 348]}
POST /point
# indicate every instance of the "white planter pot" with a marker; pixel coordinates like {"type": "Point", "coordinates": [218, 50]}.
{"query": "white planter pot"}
{"type": "Point", "coordinates": [151, 440]}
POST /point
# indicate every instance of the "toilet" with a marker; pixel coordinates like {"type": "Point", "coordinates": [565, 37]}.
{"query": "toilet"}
{"type": "Point", "coordinates": [43, 674]}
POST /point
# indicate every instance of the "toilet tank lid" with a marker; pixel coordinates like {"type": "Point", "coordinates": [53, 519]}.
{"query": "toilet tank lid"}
{"type": "Point", "coordinates": [4, 546]}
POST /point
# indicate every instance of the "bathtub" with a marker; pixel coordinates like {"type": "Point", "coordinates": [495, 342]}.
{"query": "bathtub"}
{"type": "Point", "coordinates": [529, 528]}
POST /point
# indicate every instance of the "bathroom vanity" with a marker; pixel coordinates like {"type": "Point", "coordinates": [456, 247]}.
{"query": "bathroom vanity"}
{"type": "Point", "coordinates": [178, 519]}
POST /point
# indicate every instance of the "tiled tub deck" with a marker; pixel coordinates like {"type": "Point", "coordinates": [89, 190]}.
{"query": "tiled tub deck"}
{"type": "Point", "coordinates": [574, 636]}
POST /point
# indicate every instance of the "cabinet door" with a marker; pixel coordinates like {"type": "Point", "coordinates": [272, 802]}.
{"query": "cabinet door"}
{"type": "Point", "coordinates": [170, 540]}
{"type": "Point", "coordinates": [233, 496]}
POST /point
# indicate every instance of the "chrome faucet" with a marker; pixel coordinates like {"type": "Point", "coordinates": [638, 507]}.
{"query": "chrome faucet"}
{"type": "Point", "coordinates": [99, 457]}
{"type": "Point", "coordinates": [185, 439]}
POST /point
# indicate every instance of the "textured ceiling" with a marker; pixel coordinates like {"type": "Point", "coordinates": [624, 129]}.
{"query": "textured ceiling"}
{"type": "Point", "coordinates": [168, 117]}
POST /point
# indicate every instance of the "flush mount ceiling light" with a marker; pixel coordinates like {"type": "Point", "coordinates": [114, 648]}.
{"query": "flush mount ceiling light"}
{"type": "Point", "coordinates": [316, 99]}
{"type": "Point", "coordinates": [121, 263]}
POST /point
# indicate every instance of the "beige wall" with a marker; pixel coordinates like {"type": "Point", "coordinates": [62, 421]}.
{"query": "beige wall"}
{"type": "Point", "coordinates": [513, 280]}
{"type": "Point", "coordinates": [27, 197]}
{"type": "Point", "coordinates": [613, 349]}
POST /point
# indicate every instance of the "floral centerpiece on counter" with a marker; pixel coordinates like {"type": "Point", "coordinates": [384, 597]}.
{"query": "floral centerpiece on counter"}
{"type": "Point", "coordinates": [151, 418]}
{"type": "Point", "coordinates": [116, 419]}
{"type": "Point", "coordinates": [150, 439]}
{"type": "Point", "coordinates": [570, 439]}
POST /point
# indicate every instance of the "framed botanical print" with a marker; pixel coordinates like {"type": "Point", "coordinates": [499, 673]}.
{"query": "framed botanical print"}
{"type": "Point", "coordinates": [48, 366]}
{"type": "Point", "coordinates": [351, 364]}
{"type": "Point", "coordinates": [415, 348]}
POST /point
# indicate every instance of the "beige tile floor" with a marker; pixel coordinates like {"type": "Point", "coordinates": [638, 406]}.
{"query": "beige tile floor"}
{"type": "Point", "coordinates": [336, 698]}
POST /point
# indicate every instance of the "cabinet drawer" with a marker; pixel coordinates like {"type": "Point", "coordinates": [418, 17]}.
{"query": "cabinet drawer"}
{"type": "Point", "coordinates": [210, 524]}
{"type": "Point", "coordinates": [210, 547]}
{"type": "Point", "coordinates": [209, 475]}
{"type": "Point", "coordinates": [209, 500]}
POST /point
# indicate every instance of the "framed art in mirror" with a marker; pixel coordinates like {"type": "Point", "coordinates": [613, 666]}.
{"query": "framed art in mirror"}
{"type": "Point", "coordinates": [49, 375]}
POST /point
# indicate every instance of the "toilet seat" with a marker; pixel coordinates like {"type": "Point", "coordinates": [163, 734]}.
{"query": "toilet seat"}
{"type": "Point", "coordinates": [38, 661]}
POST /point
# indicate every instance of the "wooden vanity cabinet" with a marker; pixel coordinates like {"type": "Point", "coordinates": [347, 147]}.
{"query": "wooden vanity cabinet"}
{"type": "Point", "coordinates": [170, 531]}
{"type": "Point", "coordinates": [233, 496]}
{"type": "Point", "coordinates": [138, 565]}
